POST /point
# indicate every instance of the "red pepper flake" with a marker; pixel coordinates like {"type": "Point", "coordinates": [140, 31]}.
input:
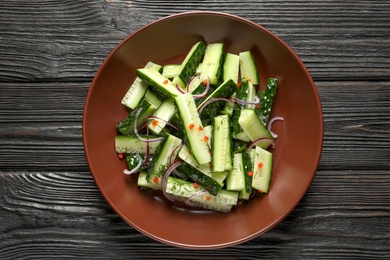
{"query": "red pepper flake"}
{"type": "Point", "coordinates": [257, 106]}
{"type": "Point", "coordinates": [165, 82]}
{"type": "Point", "coordinates": [250, 174]}
{"type": "Point", "coordinates": [239, 85]}
{"type": "Point", "coordinates": [261, 191]}
{"type": "Point", "coordinates": [155, 122]}
{"type": "Point", "coordinates": [200, 128]}
{"type": "Point", "coordinates": [196, 185]}
{"type": "Point", "coordinates": [155, 180]}
{"type": "Point", "coordinates": [205, 138]}
{"type": "Point", "coordinates": [121, 155]}
{"type": "Point", "coordinates": [208, 197]}
{"type": "Point", "coordinates": [249, 80]}
{"type": "Point", "coordinates": [260, 165]}
{"type": "Point", "coordinates": [205, 82]}
{"type": "Point", "coordinates": [191, 126]}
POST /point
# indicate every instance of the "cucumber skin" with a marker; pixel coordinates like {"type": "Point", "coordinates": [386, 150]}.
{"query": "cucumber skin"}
{"type": "Point", "coordinates": [169, 90]}
{"type": "Point", "coordinates": [132, 161]}
{"type": "Point", "coordinates": [194, 174]}
{"type": "Point", "coordinates": [191, 63]}
{"type": "Point", "coordinates": [152, 171]}
{"type": "Point", "coordinates": [247, 162]}
{"type": "Point", "coordinates": [225, 90]}
{"type": "Point", "coordinates": [267, 98]}
{"type": "Point", "coordinates": [238, 146]}
{"type": "Point", "coordinates": [126, 127]}
{"type": "Point", "coordinates": [242, 94]}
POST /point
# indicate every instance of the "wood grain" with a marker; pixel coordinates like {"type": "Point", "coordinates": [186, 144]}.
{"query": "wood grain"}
{"type": "Point", "coordinates": [64, 215]}
{"type": "Point", "coordinates": [67, 41]}
{"type": "Point", "coordinates": [47, 134]}
{"type": "Point", "coordinates": [50, 206]}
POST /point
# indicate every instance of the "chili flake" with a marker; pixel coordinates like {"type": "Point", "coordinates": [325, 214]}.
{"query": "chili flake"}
{"type": "Point", "coordinates": [195, 185]}
{"type": "Point", "coordinates": [260, 165]}
{"type": "Point", "coordinates": [165, 82]}
{"type": "Point", "coordinates": [205, 138]}
{"type": "Point", "coordinates": [155, 180]}
{"type": "Point", "coordinates": [250, 174]}
{"type": "Point", "coordinates": [121, 155]}
{"type": "Point", "coordinates": [191, 126]}
{"type": "Point", "coordinates": [155, 122]}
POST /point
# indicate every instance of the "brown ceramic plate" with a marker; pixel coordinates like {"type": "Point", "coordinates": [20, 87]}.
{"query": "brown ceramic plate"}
{"type": "Point", "coordinates": [296, 155]}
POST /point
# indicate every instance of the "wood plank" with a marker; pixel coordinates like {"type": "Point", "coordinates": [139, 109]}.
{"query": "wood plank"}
{"type": "Point", "coordinates": [67, 41]}
{"type": "Point", "coordinates": [48, 134]}
{"type": "Point", "coordinates": [357, 125]}
{"type": "Point", "coordinates": [62, 214]}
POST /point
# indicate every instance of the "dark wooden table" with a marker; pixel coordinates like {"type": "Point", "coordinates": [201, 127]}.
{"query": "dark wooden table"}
{"type": "Point", "coordinates": [49, 54]}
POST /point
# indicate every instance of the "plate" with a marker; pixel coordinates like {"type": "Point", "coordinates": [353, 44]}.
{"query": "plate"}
{"type": "Point", "coordinates": [297, 148]}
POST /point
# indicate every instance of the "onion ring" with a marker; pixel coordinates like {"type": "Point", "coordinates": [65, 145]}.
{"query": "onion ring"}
{"type": "Point", "coordinates": [136, 168]}
{"type": "Point", "coordinates": [270, 125]}
{"type": "Point", "coordinates": [164, 180]}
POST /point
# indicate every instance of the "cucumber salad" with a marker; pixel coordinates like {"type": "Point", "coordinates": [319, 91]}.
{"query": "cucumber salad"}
{"type": "Point", "coordinates": [199, 131]}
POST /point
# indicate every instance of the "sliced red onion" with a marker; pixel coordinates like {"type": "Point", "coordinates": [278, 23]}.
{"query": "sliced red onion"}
{"type": "Point", "coordinates": [180, 175]}
{"type": "Point", "coordinates": [189, 83]}
{"type": "Point", "coordinates": [165, 121]}
{"type": "Point", "coordinates": [204, 92]}
{"type": "Point", "coordinates": [164, 180]}
{"type": "Point", "coordinates": [136, 130]}
{"type": "Point", "coordinates": [244, 102]}
{"type": "Point", "coordinates": [180, 89]}
{"type": "Point", "coordinates": [174, 153]}
{"type": "Point", "coordinates": [270, 124]}
{"type": "Point", "coordinates": [136, 168]}
{"type": "Point", "coordinates": [214, 100]}
{"type": "Point", "coordinates": [188, 200]}
{"type": "Point", "coordinates": [147, 154]}
{"type": "Point", "coordinates": [261, 139]}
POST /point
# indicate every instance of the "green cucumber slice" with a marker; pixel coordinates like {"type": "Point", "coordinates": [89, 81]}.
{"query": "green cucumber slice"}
{"type": "Point", "coordinates": [231, 67]}
{"type": "Point", "coordinates": [126, 127]}
{"type": "Point", "coordinates": [212, 61]}
{"type": "Point", "coordinates": [221, 159]}
{"type": "Point", "coordinates": [131, 144]}
{"type": "Point", "coordinates": [211, 185]}
{"type": "Point", "coordinates": [262, 170]}
{"type": "Point", "coordinates": [187, 191]}
{"type": "Point", "coordinates": [186, 155]}
{"type": "Point", "coordinates": [163, 113]}
{"type": "Point", "coordinates": [189, 65]}
{"type": "Point", "coordinates": [158, 82]}
{"type": "Point", "coordinates": [137, 89]}
{"type": "Point", "coordinates": [171, 70]}
{"type": "Point", "coordinates": [193, 128]}
{"type": "Point", "coordinates": [267, 99]}
{"type": "Point", "coordinates": [254, 128]}
{"type": "Point", "coordinates": [235, 179]}
{"type": "Point", "coordinates": [248, 68]}
{"type": "Point", "coordinates": [162, 160]}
